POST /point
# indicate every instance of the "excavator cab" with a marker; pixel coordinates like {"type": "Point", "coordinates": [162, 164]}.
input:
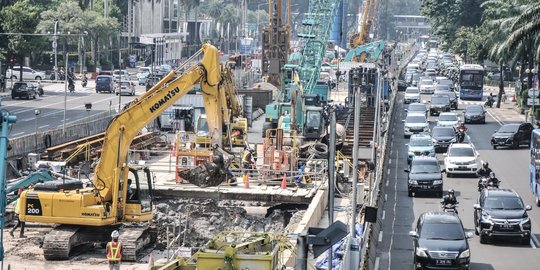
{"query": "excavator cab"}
{"type": "Point", "coordinates": [139, 195]}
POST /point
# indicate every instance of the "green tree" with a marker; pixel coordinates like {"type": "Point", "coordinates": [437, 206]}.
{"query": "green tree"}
{"type": "Point", "coordinates": [21, 17]}
{"type": "Point", "coordinates": [73, 19]}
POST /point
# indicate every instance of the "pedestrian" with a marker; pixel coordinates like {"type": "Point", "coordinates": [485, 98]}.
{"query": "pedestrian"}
{"type": "Point", "coordinates": [114, 251]}
{"type": "Point", "coordinates": [19, 222]}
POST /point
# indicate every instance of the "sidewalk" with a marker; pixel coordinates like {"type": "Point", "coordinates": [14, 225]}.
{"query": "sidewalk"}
{"type": "Point", "coordinates": [509, 112]}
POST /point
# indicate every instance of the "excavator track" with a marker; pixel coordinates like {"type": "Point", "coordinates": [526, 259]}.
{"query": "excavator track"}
{"type": "Point", "coordinates": [134, 240]}
{"type": "Point", "coordinates": [58, 243]}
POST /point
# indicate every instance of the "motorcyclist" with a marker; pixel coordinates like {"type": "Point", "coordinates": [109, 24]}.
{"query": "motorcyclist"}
{"type": "Point", "coordinates": [484, 171]}
{"type": "Point", "coordinates": [449, 199]}
{"type": "Point", "coordinates": [493, 181]}
{"type": "Point", "coordinates": [461, 129]}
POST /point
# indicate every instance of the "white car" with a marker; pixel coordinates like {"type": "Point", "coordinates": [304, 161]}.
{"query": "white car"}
{"type": "Point", "coordinates": [117, 74]}
{"type": "Point", "coordinates": [426, 86]}
{"type": "Point", "coordinates": [28, 73]}
{"type": "Point", "coordinates": [415, 123]}
{"type": "Point", "coordinates": [412, 94]}
{"type": "Point", "coordinates": [461, 158]}
{"type": "Point", "coordinates": [419, 108]}
{"type": "Point", "coordinates": [448, 119]}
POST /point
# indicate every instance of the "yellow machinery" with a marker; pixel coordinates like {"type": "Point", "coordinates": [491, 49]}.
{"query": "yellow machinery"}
{"type": "Point", "coordinates": [234, 250]}
{"type": "Point", "coordinates": [89, 214]}
{"type": "Point", "coordinates": [361, 38]}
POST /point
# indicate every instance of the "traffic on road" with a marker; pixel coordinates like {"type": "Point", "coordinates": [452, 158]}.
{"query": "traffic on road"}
{"type": "Point", "coordinates": [458, 188]}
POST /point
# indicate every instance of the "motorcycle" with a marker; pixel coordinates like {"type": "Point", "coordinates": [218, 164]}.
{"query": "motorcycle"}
{"type": "Point", "coordinates": [71, 85]}
{"type": "Point", "coordinates": [485, 182]}
{"type": "Point", "coordinates": [460, 136]}
{"type": "Point", "coordinates": [84, 82]}
{"type": "Point", "coordinates": [489, 102]}
{"type": "Point", "coordinates": [449, 208]}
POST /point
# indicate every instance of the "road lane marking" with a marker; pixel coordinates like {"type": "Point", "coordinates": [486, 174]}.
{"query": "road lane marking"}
{"type": "Point", "coordinates": [495, 118]}
{"type": "Point", "coordinates": [388, 172]}
{"type": "Point", "coordinates": [44, 126]}
{"type": "Point", "coordinates": [390, 161]}
{"type": "Point", "coordinates": [383, 214]}
{"type": "Point", "coordinates": [377, 261]}
{"type": "Point", "coordinates": [534, 241]}
{"type": "Point", "coordinates": [17, 134]}
{"type": "Point", "coordinates": [394, 217]}
{"type": "Point", "coordinates": [385, 197]}
{"type": "Point", "coordinates": [380, 236]}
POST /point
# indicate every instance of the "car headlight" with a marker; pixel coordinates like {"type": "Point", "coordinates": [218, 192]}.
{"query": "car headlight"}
{"type": "Point", "coordinates": [434, 140]}
{"type": "Point", "coordinates": [465, 254]}
{"type": "Point", "coordinates": [437, 182]}
{"type": "Point", "coordinates": [486, 218]}
{"type": "Point", "coordinates": [526, 224]}
{"type": "Point", "coordinates": [413, 182]}
{"type": "Point", "coordinates": [421, 253]}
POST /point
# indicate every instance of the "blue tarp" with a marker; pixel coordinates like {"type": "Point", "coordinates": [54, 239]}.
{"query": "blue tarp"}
{"type": "Point", "coordinates": [338, 251]}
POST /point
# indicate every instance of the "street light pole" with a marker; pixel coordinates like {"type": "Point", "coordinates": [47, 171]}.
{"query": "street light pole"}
{"type": "Point", "coordinates": [36, 112]}
{"type": "Point", "coordinates": [54, 45]}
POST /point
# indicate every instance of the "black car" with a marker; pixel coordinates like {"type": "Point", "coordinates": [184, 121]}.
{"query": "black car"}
{"type": "Point", "coordinates": [402, 85]}
{"type": "Point", "coordinates": [501, 213]}
{"type": "Point", "coordinates": [24, 90]}
{"type": "Point", "coordinates": [474, 114]}
{"type": "Point", "coordinates": [512, 135]}
{"type": "Point", "coordinates": [425, 174]}
{"type": "Point", "coordinates": [105, 83]}
{"type": "Point", "coordinates": [439, 103]}
{"type": "Point", "coordinates": [443, 137]}
{"type": "Point", "coordinates": [440, 242]}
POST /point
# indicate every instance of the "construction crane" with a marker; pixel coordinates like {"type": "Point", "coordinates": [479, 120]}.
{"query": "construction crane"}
{"type": "Point", "coordinates": [359, 52]}
{"type": "Point", "coordinates": [307, 91]}
{"type": "Point", "coordinates": [89, 214]}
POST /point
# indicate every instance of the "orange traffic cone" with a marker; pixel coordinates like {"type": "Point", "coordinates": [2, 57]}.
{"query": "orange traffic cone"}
{"type": "Point", "coordinates": [246, 180]}
{"type": "Point", "coordinates": [514, 97]}
{"type": "Point", "coordinates": [284, 182]}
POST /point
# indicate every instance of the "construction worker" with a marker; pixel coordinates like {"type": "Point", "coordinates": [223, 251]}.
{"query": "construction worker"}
{"type": "Point", "coordinates": [247, 162]}
{"type": "Point", "coordinates": [114, 251]}
{"type": "Point", "coordinates": [19, 222]}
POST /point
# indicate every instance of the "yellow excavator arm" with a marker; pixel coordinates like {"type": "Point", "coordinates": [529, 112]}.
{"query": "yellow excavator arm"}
{"type": "Point", "coordinates": [124, 127]}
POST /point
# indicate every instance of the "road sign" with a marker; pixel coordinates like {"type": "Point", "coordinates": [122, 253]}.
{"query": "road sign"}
{"type": "Point", "coordinates": [533, 92]}
{"type": "Point", "coordinates": [533, 101]}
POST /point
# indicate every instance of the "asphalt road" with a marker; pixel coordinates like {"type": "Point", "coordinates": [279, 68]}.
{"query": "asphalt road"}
{"type": "Point", "coordinates": [51, 107]}
{"type": "Point", "coordinates": [395, 249]}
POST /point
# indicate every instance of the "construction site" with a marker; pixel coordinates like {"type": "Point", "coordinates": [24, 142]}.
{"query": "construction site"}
{"type": "Point", "coordinates": [244, 180]}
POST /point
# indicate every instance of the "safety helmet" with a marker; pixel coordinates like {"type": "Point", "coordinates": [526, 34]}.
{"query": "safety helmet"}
{"type": "Point", "coordinates": [451, 191]}
{"type": "Point", "coordinates": [491, 175]}
{"type": "Point", "coordinates": [115, 234]}
{"type": "Point", "coordinates": [485, 165]}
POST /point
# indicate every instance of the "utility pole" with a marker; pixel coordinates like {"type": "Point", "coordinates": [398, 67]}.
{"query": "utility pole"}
{"type": "Point", "coordinates": [55, 45]}
{"type": "Point", "coordinates": [6, 120]}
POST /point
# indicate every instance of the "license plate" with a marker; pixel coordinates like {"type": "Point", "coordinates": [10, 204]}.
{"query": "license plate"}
{"type": "Point", "coordinates": [462, 167]}
{"type": "Point", "coordinates": [443, 262]}
{"type": "Point", "coordinates": [506, 226]}
{"type": "Point", "coordinates": [501, 143]}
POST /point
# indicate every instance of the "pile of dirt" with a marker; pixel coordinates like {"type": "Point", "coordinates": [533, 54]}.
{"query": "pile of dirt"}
{"type": "Point", "coordinates": [195, 221]}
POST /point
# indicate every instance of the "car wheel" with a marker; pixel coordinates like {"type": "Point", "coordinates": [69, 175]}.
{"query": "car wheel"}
{"type": "Point", "coordinates": [526, 240]}
{"type": "Point", "coordinates": [476, 230]}
{"type": "Point", "coordinates": [13, 96]}
{"type": "Point", "coordinates": [38, 78]}
{"type": "Point", "coordinates": [449, 175]}
{"type": "Point", "coordinates": [515, 144]}
{"type": "Point", "coordinates": [536, 199]}
{"type": "Point", "coordinates": [117, 94]}
{"type": "Point", "coordinates": [483, 239]}
{"type": "Point", "coordinates": [34, 97]}
{"type": "Point", "coordinates": [13, 77]}
{"type": "Point", "coordinates": [410, 193]}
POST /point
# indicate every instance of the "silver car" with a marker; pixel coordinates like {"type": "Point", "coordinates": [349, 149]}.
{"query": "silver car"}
{"type": "Point", "coordinates": [125, 88]}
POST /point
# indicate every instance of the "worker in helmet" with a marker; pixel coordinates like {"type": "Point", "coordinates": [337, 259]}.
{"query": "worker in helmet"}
{"type": "Point", "coordinates": [247, 163]}
{"type": "Point", "coordinates": [19, 222]}
{"type": "Point", "coordinates": [114, 251]}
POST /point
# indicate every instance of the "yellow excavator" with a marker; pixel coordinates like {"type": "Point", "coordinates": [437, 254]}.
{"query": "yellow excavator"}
{"type": "Point", "coordinates": [121, 195]}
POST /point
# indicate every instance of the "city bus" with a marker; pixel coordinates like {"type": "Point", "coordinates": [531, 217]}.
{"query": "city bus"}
{"type": "Point", "coordinates": [471, 81]}
{"type": "Point", "coordinates": [534, 165]}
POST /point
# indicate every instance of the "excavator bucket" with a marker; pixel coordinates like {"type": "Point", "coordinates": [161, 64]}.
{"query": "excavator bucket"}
{"type": "Point", "coordinates": [209, 174]}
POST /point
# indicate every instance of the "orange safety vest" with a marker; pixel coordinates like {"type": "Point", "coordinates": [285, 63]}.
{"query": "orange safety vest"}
{"type": "Point", "coordinates": [114, 252]}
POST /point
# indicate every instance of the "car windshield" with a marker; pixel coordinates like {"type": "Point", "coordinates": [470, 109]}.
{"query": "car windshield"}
{"type": "Point", "coordinates": [103, 79]}
{"type": "Point", "coordinates": [126, 84]}
{"type": "Point", "coordinates": [448, 117]}
{"type": "Point", "coordinates": [442, 231]}
{"type": "Point", "coordinates": [508, 129]}
{"type": "Point", "coordinates": [428, 82]}
{"type": "Point", "coordinates": [440, 100]}
{"type": "Point", "coordinates": [424, 141]}
{"type": "Point", "coordinates": [416, 119]}
{"type": "Point", "coordinates": [460, 152]}
{"type": "Point", "coordinates": [503, 203]}
{"type": "Point", "coordinates": [19, 86]}
{"type": "Point", "coordinates": [445, 82]}
{"type": "Point", "coordinates": [474, 109]}
{"type": "Point", "coordinates": [443, 132]}
{"type": "Point", "coordinates": [412, 91]}
{"type": "Point", "coordinates": [425, 168]}
{"type": "Point", "coordinates": [417, 107]}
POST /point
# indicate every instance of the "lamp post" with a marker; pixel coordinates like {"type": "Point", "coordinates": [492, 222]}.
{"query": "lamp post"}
{"type": "Point", "coordinates": [531, 72]}
{"type": "Point", "coordinates": [88, 107]}
{"type": "Point", "coordinates": [54, 45]}
{"type": "Point", "coordinates": [36, 113]}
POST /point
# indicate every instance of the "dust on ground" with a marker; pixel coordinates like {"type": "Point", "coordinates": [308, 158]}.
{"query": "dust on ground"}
{"type": "Point", "coordinates": [193, 221]}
